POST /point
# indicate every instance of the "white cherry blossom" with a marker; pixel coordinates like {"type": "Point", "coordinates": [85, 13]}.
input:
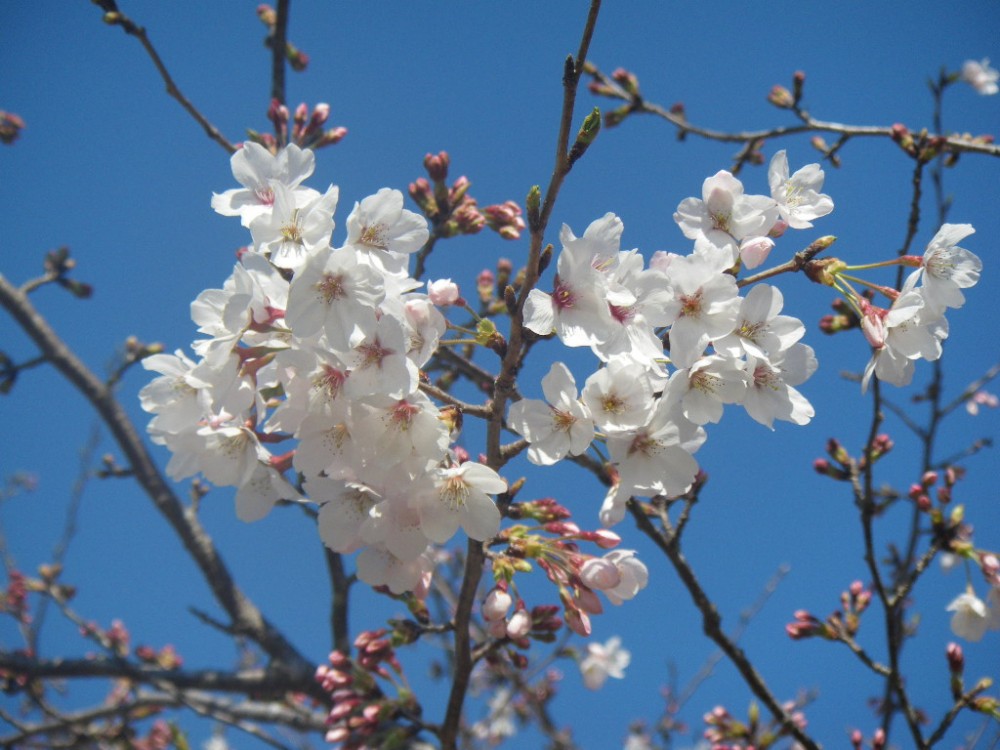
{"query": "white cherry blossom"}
{"type": "Point", "coordinates": [461, 499]}
{"type": "Point", "coordinates": [981, 76]}
{"type": "Point", "coordinates": [290, 234]}
{"type": "Point", "coordinates": [971, 618]}
{"type": "Point", "coordinates": [604, 660]}
{"type": "Point", "coordinates": [798, 197]}
{"type": "Point", "coordinates": [557, 428]}
{"type": "Point", "coordinates": [256, 169]}
{"type": "Point", "coordinates": [725, 213]}
{"type": "Point", "coordinates": [947, 268]}
{"type": "Point", "coordinates": [771, 393]}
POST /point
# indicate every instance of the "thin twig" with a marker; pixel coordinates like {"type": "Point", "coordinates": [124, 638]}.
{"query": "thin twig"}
{"type": "Point", "coordinates": [247, 618]}
{"type": "Point", "coordinates": [279, 53]}
{"type": "Point", "coordinates": [809, 124]}
{"type": "Point", "coordinates": [712, 626]}
{"type": "Point", "coordinates": [133, 29]}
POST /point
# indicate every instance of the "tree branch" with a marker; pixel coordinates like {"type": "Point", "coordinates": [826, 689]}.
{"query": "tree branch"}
{"type": "Point", "coordinates": [247, 618]}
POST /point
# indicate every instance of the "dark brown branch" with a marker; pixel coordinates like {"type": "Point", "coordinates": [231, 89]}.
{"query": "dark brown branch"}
{"type": "Point", "coordinates": [712, 626]}
{"type": "Point", "coordinates": [247, 618]}
{"type": "Point", "coordinates": [809, 125]}
{"type": "Point", "coordinates": [247, 682]}
{"type": "Point", "coordinates": [340, 583]}
{"type": "Point", "coordinates": [279, 52]}
{"type": "Point", "coordinates": [503, 386]}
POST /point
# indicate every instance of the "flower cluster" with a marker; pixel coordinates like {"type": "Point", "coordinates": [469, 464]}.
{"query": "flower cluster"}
{"type": "Point", "coordinates": [724, 348]}
{"type": "Point", "coordinates": [323, 346]}
{"type": "Point", "coordinates": [914, 326]}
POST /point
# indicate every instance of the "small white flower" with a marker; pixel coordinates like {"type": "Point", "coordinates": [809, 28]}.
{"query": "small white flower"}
{"type": "Point", "coordinates": [604, 660]}
{"type": "Point", "coordinates": [442, 292]}
{"type": "Point", "coordinates": [619, 574]}
{"type": "Point", "coordinates": [947, 268]}
{"type": "Point", "coordinates": [461, 498]}
{"type": "Point", "coordinates": [561, 426]}
{"type": "Point", "coordinates": [971, 616]}
{"type": "Point", "coordinates": [798, 197]}
{"type": "Point", "coordinates": [981, 76]}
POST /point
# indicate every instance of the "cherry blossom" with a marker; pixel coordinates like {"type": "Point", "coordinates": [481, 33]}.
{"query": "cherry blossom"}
{"type": "Point", "coordinates": [899, 335]}
{"type": "Point", "coordinates": [798, 197]}
{"type": "Point", "coordinates": [257, 169]}
{"type": "Point", "coordinates": [771, 393]}
{"type": "Point", "coordinates": [387, 232]}
{"type": "Point", "coordinates": [724, 213]}
{"type": "Point", "coordinates": [290, 235]}
{"type": "Point", "coordinates": [461, 498]}
{"type": "Point", "coordinates": [947, 269]}
{"type": "Point", "coordinates": [981, 76]}
{"type": "Point", "coordinates": [557, 428]}
{"type": "Point", "coordinates": [971, 618]}
{"type": "Point", "coordinates": [604, 660]}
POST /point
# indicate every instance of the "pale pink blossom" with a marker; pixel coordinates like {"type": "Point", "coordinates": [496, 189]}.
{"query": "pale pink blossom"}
{"type": "Point", "coordinates": [798, 197]}
{"type": "Point", "coordinates": [443, 292]}
{"type": "Point", "coordinates": [971, 618]}
{"type": "Point", "coordinates": [604, 660]}
{"type": "Point", "coordinates": [981, 76]}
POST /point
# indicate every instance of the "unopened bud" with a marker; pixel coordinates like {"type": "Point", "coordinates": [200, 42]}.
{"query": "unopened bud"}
{"type": "Point", "coordinates": [544, 259]}
{"type": "Point", "coordinates": [901, 135]}
{"type": "Point", "coordinates": [267, 14]}
{"type": "Point", "coordinates": [585, 136]}
{"type": "Point", "coordinates": [520, 623]}
{"type": "Point", "coordinates": [627, 80]}
{"type": "Point", "coordinates": [510, 299]}
{"type": "Point", "coordinates": [616, 117]}
{"type": "Point", "coordinates": [798, 79]}
{"type": "Point", "coordinates": [437, 165]}
{"type": "Point", "coordinates": [532, 203]}
{"type": "Point", "coordinates": [781, 97]}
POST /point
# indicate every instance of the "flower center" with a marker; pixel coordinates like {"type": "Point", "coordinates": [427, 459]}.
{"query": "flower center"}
{"type": "Point", "coordinates": [375, 235]}
{"type": "Point", "coordinates": [331, 287]}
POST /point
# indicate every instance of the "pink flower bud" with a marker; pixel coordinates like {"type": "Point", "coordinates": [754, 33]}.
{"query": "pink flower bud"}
{"type": "Point", "coordinates": [442, 292]}
{"type": "Point", "coordinates": [520, 623]}
{"type": "Point", "coordinates": [755, 250]}
{"type": "Point", "coordinates": [578, 622]}
{"type": "Point", "coordinates": [956, 658]}
{"type": "Point", "coordinates": [588, 602]}
{"type": "Point", "coordinates": [496, 605]}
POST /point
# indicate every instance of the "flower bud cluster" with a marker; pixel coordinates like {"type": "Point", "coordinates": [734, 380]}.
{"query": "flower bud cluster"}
{"type": "Point", "coordinates": [14, 600]}
{"type": "Point", "coordinates": [842, 624]}
{"type": "Point", "coordinates": [362, 716]}
{"type": "Point", "coordinates": [306, 128]}
{"type": "Point", "coordinates": [726, 732]}
{"type": "Point", "coordinates": [11, 126]}
{"type": "Point", "coordinates": [452, 211]}
{"type": "Point", "coordinates": [577, 575]}
{"type": "Point", "coordinates": [311, 363]}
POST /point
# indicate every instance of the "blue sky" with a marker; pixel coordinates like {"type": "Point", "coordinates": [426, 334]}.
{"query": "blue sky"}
{"type": "Point", "coordinates": [112, 167]}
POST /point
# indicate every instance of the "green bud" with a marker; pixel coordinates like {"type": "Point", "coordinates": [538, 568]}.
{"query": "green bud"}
{"type": "Point", "coordinates": [586, 135]}
{"type": "Point", "coordinates": [533, 204]}
{"type": "Point", "coordinates": [485, 330]}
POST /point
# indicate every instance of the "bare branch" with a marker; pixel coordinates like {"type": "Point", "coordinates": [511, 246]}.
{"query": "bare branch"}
{"type": "Point", "coordinates": [247, 618]}
{"type": "Point", "coordinates": [133, 29]}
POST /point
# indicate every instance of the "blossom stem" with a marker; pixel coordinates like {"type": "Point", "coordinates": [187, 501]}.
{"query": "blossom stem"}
{"type": "Point", "coordinates": [881, 264]}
